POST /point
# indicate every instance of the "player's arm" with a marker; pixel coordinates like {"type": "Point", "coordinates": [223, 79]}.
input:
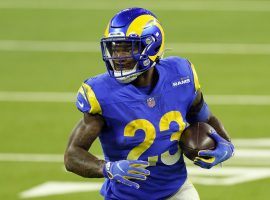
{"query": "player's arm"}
{"type": "Point", "coordinates": [77, 158]}
{"type": "Point", "coordinates": [79, 161]}
{"type": "Point", "coordinates": [200, 112]}
{"type": "Point", "coordinates": [83, 163]}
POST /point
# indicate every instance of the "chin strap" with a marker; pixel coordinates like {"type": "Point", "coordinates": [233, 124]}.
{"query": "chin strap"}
{"type": "Point", "coordinates": [129, 78]}
{"type": "Point", "coordinates": [132, 77]}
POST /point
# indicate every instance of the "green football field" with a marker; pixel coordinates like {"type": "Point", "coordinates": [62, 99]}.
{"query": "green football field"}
{"type": "Point", "coordinates": [48, 47]}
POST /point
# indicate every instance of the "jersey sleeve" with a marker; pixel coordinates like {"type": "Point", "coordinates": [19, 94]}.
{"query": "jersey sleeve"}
{"type": "Point", "coordinates": [87, 101]}
{"type": "Point", "coordinates": [195, 77]}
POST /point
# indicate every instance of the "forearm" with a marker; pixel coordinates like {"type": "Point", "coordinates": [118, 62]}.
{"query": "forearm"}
{"type": "Point", "coordinates": [81, 162]}
{"type": "Point", "coordinates": [218, 126]}
{"type": "Point", "coordinates": [77, 158]}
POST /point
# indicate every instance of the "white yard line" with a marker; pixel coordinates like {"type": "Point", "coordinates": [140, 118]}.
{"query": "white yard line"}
{"type": "Point", "coordinates": [76, 46]}
{"type": "Point", "coordinates": [29, 157]}
{"type": "Point", "coordinates": [6, 96]}
{"type": "Point", "coordinates": [247, 6]}
{"type": "Point", "coordinates": [49, 46]}
{"type": "Point", "coordinates": [252, 153]}
{"type": "Point", "coordinates": [37, 96]}
{"type": "Point", "coordinates": [251, 143]}
{"type": "Point", "coordinates": [58, 188]}
{"type": "Point", "coordinates": [215, 176]}
{"type": "Point", "coordinates": [257, 155]}
{"type": "Point", "coordinates": [220, 48]}
{"type": "Point", "coordinates": [241, 171]}
{"type": "Point", "coordinates": [228, 175]}
{"type": "Point", "coordinates": [238, 99]}
{"type": "Point", "coordinates": [237, 160]}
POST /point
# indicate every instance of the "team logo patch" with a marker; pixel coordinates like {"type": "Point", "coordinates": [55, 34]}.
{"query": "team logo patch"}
{"type": "Point", "coordinates": [181, 81]}
{"type": "Point", "coordinates": [151, 102]}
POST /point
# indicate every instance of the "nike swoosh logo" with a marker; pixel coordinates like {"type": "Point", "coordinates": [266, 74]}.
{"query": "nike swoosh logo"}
{"type": "Point", "coordinates": [226, 152]}
{"type": "Point", "coordinates": [119, 167]}
{"type": "Point", "coordinates": [80, 104]}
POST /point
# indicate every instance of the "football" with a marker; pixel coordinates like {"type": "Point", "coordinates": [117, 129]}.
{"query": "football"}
{"type": "Point", "coordinates": [195, 138]}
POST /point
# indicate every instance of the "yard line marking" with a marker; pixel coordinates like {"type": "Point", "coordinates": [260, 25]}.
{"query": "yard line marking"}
{"type": "Point", "coordinates": [247, 6]}
{"type": "Point", "coordinates": [232, 175]}
{"type": "Point", "coordinates": [37, 96]}
{"type": "Point", "coordinates": [76, 46]}
{"type": "Point", "coordinates": [240, 153]}
{"type": "Point", "coordinates": [30, 157]}
{"type": "Point", "coordinates": [49, 46]}
{"type": "Point", "coordinates": [8, 96]}
{"type": "Point", "coordinates": [57, 188]}
{"type": "Point", "coordinates": [214, 176]}
{"type": "Point", "coordinates": [238, 99]}
{"type": "Point", "coordinates": [252, 142]}
{"type": "Point", "coordinates": [220, 48]}
{"type": "Point", "coordinates": [244, 162]}
{"type": "Point", "coordinates": [254, 153]}
{"type": "Point", "coordinates": [24, 157]}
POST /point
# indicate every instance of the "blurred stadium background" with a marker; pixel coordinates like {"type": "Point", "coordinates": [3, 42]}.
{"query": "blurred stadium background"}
{"type": "Point", "coordinates": [48, 47]}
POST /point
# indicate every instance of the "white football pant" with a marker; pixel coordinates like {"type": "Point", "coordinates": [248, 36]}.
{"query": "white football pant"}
{"type": "Point", "coordinates": [186, 192]}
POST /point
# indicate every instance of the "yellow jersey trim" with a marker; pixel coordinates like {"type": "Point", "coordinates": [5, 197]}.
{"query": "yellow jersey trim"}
{"type": "Point", "coordinates": [81, 91]}
{"type": "Point", "coordinates": [92, 99]}
{"type": "Point", "coordinates": [195, 77]}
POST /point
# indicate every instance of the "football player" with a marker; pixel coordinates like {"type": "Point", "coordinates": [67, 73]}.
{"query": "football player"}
{"type": "Point", "coordinates": [138, 110]}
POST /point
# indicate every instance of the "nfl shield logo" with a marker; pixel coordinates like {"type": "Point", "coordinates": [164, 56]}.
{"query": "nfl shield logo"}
{"type": "Point", "coordinates": [151, 102]}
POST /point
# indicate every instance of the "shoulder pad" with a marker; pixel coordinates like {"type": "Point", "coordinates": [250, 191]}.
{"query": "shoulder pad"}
{"type": "Point", "coordinates": [184, 67]}
{"type": "Point", "coordinates": [87, 101]}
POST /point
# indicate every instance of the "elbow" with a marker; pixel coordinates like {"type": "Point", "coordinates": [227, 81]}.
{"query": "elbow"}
{"type": "Point", "coordinates": [68, 161]}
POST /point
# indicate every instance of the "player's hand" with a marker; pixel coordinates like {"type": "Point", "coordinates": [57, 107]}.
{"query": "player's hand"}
{"type": "Point", "coordinates": [209, 158]}
{"type": "Point", "coordinates": [123, 170]}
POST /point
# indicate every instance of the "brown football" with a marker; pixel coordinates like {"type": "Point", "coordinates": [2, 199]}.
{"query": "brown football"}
{"type": "Point", "coordinates": [195, 138]}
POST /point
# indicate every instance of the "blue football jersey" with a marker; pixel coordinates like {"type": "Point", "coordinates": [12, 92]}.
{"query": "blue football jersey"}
{"type": "Point", "coordinates": [141, 126]}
